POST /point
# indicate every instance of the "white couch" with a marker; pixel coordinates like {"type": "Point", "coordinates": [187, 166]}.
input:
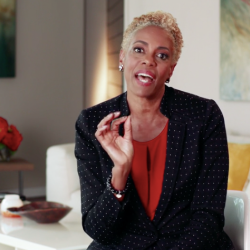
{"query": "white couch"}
{"type": "Point", "coordinates": [62, 178]}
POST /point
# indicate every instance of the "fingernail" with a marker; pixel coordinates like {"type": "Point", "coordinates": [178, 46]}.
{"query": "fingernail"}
{"type": "Point", "coordinates": [117, 112]}
{"type": "Point", "coordinates": [103, 128]}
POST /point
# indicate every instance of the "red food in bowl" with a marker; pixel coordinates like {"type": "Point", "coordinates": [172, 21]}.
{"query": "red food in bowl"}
{"type": "Point", "coordinates": [42, 211]}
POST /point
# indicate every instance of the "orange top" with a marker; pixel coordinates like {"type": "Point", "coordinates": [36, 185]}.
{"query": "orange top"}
{"type": "Point", "coordinates": [148, 169]}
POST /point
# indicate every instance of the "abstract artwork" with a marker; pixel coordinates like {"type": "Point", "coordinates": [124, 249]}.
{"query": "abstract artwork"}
{"type": "Point", "coordinates": [235, 50]}
{"type": "Point", "coordinates": [7, 37]}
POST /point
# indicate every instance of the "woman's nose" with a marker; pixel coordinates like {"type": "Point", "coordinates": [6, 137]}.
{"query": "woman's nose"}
{"type": "Point", "coordinates": [149, 60]}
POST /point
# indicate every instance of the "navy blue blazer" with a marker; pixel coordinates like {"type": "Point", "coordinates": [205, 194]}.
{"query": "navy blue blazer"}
{"type": "Point", "coordinates": [190, 213]}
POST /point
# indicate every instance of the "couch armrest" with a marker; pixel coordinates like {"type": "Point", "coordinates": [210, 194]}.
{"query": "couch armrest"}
{"type": "Point", "coordinates": [61, 173]}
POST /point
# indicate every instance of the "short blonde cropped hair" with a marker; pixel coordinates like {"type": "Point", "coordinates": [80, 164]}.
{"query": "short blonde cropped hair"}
{"type": "Point", "coordinates": [161, 19]}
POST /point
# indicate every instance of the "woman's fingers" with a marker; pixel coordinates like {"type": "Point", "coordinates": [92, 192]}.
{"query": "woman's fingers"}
{"type": "Point", "coordinates": [103, 128]}
{"type": "Point", "coordinates": [115, 123]}
{"type": "Point", "coordinates": [120, 149]}
{"type": "Point", "coordinates": [107, 129]}
{"type": "Point", "coordinates": [100, 130]}
{"type": "Point", "coordinates": [128, 129]}
{"type": "Point", "coordinates": [104, 125]}
{"type": "Point", "coordinates": [108, 119]}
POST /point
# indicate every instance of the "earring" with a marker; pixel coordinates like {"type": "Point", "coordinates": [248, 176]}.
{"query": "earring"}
{"type": "Point", "coordinates": [168, 80]}
{"type": "Point", "coordinates": [121, 68]}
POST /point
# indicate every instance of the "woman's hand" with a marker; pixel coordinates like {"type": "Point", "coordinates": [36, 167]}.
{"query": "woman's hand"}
{"type": "Point", "coordinates": [120, 149]}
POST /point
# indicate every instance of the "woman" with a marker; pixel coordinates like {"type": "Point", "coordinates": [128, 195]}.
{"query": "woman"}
{"type": "Point", "coordinates": [153, 162]}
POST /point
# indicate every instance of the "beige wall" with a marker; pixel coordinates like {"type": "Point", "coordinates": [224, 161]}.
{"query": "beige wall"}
{"type": "Point", "coordinates": [114, 39]}
{"type": "Point", "coordinates": [95, 77]}
{"type": "Point", "coordinates": [46, 96]}
{"type": "Point", "coordinates": [198, 69]}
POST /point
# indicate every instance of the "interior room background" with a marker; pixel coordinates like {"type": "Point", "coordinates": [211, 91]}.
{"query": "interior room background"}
{"type": "Point", "coordinates": [65, 62]}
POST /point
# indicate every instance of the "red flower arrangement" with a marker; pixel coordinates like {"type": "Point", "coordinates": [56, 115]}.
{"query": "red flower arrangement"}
{"type": "Point", "coordinates": [10, 139]}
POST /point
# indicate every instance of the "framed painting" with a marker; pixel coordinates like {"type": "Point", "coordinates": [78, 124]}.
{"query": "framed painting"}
{"type": "Point", "coordinates": [7, 37]}
{"type": "Point", "coordinates": [235, 50]}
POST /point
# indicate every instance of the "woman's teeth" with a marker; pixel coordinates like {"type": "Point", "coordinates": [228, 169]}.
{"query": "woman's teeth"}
{"type": "Point", "coordinates": [145, 75]}
{"type": "Point", "coordinates": [145, 78]}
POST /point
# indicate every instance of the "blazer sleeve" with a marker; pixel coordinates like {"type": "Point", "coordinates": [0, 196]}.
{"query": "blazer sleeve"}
{"type": "Point", "coordinates": [102, 213]}
{"type": "Point", "coordinates": [208, 203]}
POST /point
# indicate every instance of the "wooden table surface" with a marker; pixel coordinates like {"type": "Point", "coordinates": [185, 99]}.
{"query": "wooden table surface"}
{"type": "Point", "coordinates": [16, 164]}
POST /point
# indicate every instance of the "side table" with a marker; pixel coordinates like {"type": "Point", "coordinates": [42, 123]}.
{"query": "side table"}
{"type": "Point", "coordinates": [17, 164]}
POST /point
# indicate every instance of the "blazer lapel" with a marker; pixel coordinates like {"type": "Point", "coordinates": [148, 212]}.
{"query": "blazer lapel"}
{"type": "Point", "coordinates": [175, 139]}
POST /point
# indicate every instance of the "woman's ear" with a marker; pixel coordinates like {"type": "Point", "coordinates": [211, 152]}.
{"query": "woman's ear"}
{"type": "Point", "coordinates": [121, 57]}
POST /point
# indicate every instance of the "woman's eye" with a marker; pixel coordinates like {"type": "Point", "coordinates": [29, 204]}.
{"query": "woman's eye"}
{"type": "Point", "coordinates": [163, 56]}
{"type": "Point", "coordinates": [138, 50]}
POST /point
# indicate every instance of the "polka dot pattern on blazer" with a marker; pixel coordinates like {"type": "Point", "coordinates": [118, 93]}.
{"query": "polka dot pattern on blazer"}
{"type": "Point", "coordinates": [190, 213]}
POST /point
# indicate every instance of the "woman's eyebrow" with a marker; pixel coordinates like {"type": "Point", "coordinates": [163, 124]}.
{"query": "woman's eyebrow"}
{"type": "Point", "coordinates": [161, 47]}
{"type": "Point", "coordinates": [145, 43]}
{"type": "Point", "coordinates": [140, 41]}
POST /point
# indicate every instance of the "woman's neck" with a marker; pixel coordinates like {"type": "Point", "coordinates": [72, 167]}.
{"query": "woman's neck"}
{"type": "Point", "coordinates": [143, 108]}
{"type": "Point", "coordinates": [146, 118]}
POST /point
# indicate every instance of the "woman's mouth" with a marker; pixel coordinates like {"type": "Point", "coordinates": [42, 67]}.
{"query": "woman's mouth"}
{"type": "Point", "coordinates": [144, 79]}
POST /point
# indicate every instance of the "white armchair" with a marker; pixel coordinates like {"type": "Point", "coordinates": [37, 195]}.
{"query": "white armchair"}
{"type": "Point", "coordinates": [237, 219]}
{"type": "Point", "coordinates": [62, 181]}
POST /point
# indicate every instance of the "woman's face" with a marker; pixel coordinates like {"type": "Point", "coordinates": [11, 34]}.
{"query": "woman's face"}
{"type": "Point", "coordinates": [148, 62]}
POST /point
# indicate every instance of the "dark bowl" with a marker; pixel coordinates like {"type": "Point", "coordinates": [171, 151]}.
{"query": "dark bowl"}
{"type": "Point", "coordinates": [42, 211]}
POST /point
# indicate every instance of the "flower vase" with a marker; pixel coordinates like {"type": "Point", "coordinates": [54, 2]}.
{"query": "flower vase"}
{"type": "Point", "coordinates": [5, 153]}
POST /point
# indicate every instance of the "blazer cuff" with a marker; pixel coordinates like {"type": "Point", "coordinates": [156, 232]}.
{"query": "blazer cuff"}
{"type": "Point", "coordinates": [116, 205]}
